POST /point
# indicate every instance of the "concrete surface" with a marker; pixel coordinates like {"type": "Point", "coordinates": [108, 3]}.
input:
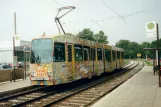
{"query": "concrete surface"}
{"type": "Point", "coordinates": [7, 86]}
{"type": "Point", "coordinates": [140, 91]}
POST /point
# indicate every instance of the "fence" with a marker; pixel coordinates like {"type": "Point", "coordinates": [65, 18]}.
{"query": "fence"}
{"type": "Point", "coordinates": [8, 75]}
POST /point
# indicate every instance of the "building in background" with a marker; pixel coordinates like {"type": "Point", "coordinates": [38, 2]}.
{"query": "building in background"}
{"type": "Point", "coordinates": [6, 51]}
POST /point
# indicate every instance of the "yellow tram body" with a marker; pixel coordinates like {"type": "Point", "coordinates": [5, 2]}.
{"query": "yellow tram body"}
{"type": "Point", "coordinates": [64, 58]}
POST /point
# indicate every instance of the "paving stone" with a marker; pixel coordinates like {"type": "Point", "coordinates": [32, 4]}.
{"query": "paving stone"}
{"type": "Point", "coordinates": [14, 85]}
{"type": "Point", "coordinates": [140, 91]}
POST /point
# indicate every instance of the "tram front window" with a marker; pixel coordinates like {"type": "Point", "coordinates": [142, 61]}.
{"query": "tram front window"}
{"type": "Point", "coordinates": [41, 51]}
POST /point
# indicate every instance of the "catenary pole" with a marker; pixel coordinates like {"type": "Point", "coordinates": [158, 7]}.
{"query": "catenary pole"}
{"type": "Point", "coordinates": [15, 32]}
{"type": "Point", "coordinates": [158, 54]}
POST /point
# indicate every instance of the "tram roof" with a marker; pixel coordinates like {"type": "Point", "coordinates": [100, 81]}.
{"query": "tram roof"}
{"type": "Point", "coordinates": [76, 40]}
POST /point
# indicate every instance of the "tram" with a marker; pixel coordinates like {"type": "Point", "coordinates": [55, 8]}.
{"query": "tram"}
{"type": "Point", "coordinates": [64, 58]}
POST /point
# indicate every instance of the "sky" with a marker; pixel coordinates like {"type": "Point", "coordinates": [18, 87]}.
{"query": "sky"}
{"type": "Point", "coordinates": [119, 19]}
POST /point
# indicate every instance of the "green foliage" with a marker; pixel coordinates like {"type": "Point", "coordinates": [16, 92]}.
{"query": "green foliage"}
{"type": "Point", "coordinates": [89, 35]}
{"type": "Point", "coordinates": [125, 44]}
{"type": "Point", "coordinates": [132, 48]}
{"type": "Point", "coordinates": [145, 52]}
{"type": "Point", "coordinates": [127, 61]}
{"type": "Point", "coordinates": [148, 63]}
{"type": "Point", "coordinates": [86, 34]}
{"type": "Point", "coordinates": [69, 34]}
{"type": "Point", "coordinates": [101, 37]}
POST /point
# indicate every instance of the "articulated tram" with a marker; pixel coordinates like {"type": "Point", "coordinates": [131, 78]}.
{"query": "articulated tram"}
{"type": "Point", "coordinates": [64, 58]}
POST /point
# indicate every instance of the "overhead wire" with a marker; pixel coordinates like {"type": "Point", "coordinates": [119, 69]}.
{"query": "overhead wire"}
{"type": "Point", "coordinates": [91, 20]}
{"type": "Point", "coordinates": [137, 12]}
{"type": "Point", "coordinates": [80, 14]}
{"type": "Point", "coordinates": [116, 14]}
{"type": "Point", "coordinates": [142, 11]}
{"type": "Point", "coordinates": [113, 10]}
{"type": "Point", "coordinates": [122, 17]}
{"type": "Point", "coordinates": [58, 3]}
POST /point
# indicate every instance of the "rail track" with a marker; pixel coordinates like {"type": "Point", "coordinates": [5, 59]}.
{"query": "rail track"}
{"type": "Point", "coordinates": [17, 98]}
{"type": "Point", "coordinates": [75, 94]}
{"type": "Point", "coordinates": [17, 91]}
{"type": "Point", "coordinates": [89, 94]}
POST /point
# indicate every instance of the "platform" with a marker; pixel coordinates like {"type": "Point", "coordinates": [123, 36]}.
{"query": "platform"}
{"type": "Point", "coordinates": [140, 91]}
{"type": "Point", "coordinates": [7, 86]}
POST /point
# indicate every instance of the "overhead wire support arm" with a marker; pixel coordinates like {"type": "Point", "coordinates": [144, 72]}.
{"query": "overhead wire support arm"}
{"type": "Point", "coordinates": [57, 19]}
{"type": "Point", "coordinates": [57, 26]}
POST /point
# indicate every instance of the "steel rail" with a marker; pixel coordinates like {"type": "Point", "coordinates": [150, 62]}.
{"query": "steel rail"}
{"type": "Point", "coordinates": [87, 87]}
{"type": "Point", "coordinates": [90, 103]}
{"type": "Point", "coordinates": [34, 99]}
{"type": "Point", "coordinates": [22, 93]}
{"type": "Point", "coordinates": [37, 98]}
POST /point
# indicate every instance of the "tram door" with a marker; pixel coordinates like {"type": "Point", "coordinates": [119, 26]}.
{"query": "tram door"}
{"type": "Point", "coordinates": [70, 62]}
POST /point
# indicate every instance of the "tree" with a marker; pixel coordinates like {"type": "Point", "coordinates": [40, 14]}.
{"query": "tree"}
{"type": "Point", "coordinates": [134, 46]}
{"type": "Point", "coordinates": [86, 34]}
{"type": "Point", "coordinates": [101, 37]}
{"type": "Point", "coordinates": [89, 35]}
{"type": "Point", "coordinates": [130, 48]}
{"type": "Point", "coordinates": [145, 52]}
{"type": "Point", "coordinates": [125, 44]}
{"type": "Point", "coordinates": [69, 34]}
{"type": "Point", "coordinates": [154, 45]}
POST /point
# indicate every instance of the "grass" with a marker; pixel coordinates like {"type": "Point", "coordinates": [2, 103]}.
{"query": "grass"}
{"type": "Point", "coordinates": [148, 63]}
{"type": "Point", "coordinates": [127, 61]}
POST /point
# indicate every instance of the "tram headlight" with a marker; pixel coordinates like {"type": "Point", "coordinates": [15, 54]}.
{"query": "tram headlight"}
{"type": "Point", "coordinates": [50, 74]}
{"type": "Point", "coordinates": [33, 74]}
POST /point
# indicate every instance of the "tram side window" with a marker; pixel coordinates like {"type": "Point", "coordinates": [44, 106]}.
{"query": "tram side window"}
{"type": "Point", "coordinates": [69, 53]}
{"type": "Point", "coordinates": [86, 53]}
{"type": "Point", "coordinates": [107, 55]}
{"type": "Point", "coordinates": [99, 53]}
{"type": "Point", "coordinates": [93, 54]}
{"type": "Point", "coordinates": [59, 52]}
{"type": "Point", "coordinates": [78, 52]}
{"type": "Point", "coordinates": [113, 55]}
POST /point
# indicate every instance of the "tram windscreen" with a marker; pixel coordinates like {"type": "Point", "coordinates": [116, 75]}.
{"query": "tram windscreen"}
{"type": "Point", "coordinates": [41, 51]}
